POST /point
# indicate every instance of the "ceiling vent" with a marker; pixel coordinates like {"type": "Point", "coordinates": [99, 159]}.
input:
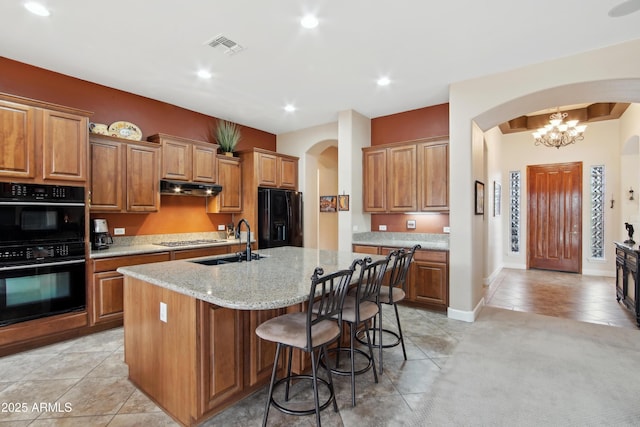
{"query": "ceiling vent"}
{"type": "Point", "coordinates": [230, 46]}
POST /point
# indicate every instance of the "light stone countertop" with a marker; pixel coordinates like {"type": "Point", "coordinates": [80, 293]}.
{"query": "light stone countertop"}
{"type": "Point", "coordinates": [281, 279]}
{"type": "Point", "coordinates": [402, 240]}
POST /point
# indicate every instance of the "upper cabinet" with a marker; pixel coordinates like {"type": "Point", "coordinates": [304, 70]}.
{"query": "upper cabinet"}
{"type": "Point", "coordinates": [186, 159]}
{"type": "Point", "coordinates": [275, 170]}
{"type": "Point", "coordinates": [406, 177]}
{"type": "Point", "coordinates": [229, 200]}
{"type": "Point", "coordinates": [42, 142]}
{"type": "Point", "coordinates": [124, 175]}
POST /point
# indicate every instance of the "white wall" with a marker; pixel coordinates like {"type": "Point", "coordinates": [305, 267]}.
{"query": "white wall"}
{"type": "Point", "coordinates": [349, 134]}
{"type": "Point", "coordinates": [495, 221]}
{"type": "Point", "coordinates": [328, 185]}
{"type": "Point", "coordinates": [608, 74]}
{"type": "Point", "coordinates": [629, 172]}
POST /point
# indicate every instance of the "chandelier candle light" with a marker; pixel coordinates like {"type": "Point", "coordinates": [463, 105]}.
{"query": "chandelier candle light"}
{"type": "Point", "coordinates": [558, 133]}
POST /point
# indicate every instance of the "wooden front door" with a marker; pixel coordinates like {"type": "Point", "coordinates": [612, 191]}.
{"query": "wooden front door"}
{"type": "Point", "coordinates": [555, 217]}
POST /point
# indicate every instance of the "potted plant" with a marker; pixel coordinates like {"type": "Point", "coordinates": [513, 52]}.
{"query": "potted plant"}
{"type": "Point", "coordinates": [227, 135]}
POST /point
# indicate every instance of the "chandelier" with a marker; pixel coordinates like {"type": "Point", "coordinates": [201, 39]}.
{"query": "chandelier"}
{"type": "Point", "coordinates": [558, 133]}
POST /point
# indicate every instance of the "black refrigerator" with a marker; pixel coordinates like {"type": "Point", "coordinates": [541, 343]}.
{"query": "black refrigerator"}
{"type": "Point", "coordinates": [279, 218]}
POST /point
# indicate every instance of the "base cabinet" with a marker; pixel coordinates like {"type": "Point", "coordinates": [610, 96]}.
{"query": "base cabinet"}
{"type": "Point", "coordinates": [220, 362]}
{"type": "Point", "coordinates": [429, 280]}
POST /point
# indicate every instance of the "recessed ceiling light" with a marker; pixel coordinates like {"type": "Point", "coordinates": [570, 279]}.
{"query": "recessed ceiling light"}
{"type": "Point", "coordinates": [289, 108]}
{"type": "Point", "coordinates": [383, 81]}
{"type": "Point", "coordinates": [309, 21]}
{"type": "Point", "coordinates": [204, 74]}
{"type": "Point", "coordinates": [37, 9]}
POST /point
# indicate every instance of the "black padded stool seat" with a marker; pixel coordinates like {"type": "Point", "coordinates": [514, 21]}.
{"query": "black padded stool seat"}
{"type": "Point", "coordinates": [310, 332]}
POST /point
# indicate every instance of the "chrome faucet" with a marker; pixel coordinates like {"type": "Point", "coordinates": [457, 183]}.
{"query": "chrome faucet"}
{"type": "Point", "coordinates": [248, 250]}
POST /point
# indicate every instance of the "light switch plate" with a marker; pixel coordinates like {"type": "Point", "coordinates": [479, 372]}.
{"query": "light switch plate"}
{"type": "Point", "coordinates": [446, 229]}
{"type": "Point", "coordinates": [118, 231]}
{"type": "Point", "coordinates": [411, 223]}
{"type": "Point", "coordinates": [382, 227]}
{"type": "Point", "coordinates": [163, 312]}
{"type": "Point", "coordinates": [221, 227]}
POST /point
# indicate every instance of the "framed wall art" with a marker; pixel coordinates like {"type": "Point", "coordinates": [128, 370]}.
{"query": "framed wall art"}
{"type": "Point", "coordinates": [328, 203]}
{"type": "Point", "coordinates": [343, 202]}
{"type": "Point", "coordinates": [479, 198]}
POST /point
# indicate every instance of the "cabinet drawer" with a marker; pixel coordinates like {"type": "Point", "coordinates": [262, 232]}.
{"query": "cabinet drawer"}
{"type": "Point", "coordinates": [194, 253]}
{"type": "Point", "coordinates": [365, 249]}
{"type": "Point", "coordinates": [433, 256]}
{"type": "Point", "coordinates": [110, 264]}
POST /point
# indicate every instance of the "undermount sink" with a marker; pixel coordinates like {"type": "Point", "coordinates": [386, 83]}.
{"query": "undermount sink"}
{"type": "Point", "coordinates": [239, 257]}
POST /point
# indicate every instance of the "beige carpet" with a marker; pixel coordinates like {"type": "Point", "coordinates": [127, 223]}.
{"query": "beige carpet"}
{"type": "Point", "coordinates": [522, 369]}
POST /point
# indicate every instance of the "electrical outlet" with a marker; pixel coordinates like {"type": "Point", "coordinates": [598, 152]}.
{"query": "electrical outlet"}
{"type": "Point", "coordinates": [411, 223]}
{"type": "Point", "coordinates": [163, 312]}
{"type": "Point", "coordinates": [382, 227]}
{"type": "Point", "coordinates": [446, 229]}
{"type": "Point", "coordinates": [222, 227]}
{"type": "Point", "coordinates": [118, 231]}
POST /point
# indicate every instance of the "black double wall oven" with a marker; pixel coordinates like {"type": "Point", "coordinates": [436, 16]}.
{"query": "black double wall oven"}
{"type": "Point", "coordinates": [42, 251]}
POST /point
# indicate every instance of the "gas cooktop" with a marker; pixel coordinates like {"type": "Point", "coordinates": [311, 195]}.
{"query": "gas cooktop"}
{"type": "Point", "coordinates": [189, 242]}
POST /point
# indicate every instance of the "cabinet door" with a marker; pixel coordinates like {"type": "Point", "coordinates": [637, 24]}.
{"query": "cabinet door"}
{"type": "Point", "coordinates": [433, 181]}
{"type": "Point", "coordinates": [287, 173]}
{"type": "Point", "coordinates": [107, 158]}
{"type": "Point", "coordinates": [65, 140]}
{"type": "Point", "coordinates": [429, 283]}
{"type": "Point", "coordinates": [17, 140]}
{"type": "Point", "coordinates": [204, 163]}
{"type": "Point", "coordinates": [374, 180]}
{"type": "Point", "coordinates": [176, 160]}
{"type": "Point", "coordinates": [143, 194]}
{"type": "Point", "coordinates": [107, 296]}
{"type": "Point", "coordinates": [267, 170]}
{"type": "Point", "coordinates": [222, 356]}
{"type": "Point", "coordinates": [261, 352]}
{"type": "Point", "coordinates": [230, 178]}
{"type": "Point", "coordinates": [402, 179]}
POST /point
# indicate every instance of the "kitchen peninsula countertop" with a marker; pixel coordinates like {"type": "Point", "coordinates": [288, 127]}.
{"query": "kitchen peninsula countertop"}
{"type": "Point", "coordinates": [148, 244]}
{"type": "Point", "coordinates": [281, 279]}
{"type": "Point", "coordinates": [402, 240]}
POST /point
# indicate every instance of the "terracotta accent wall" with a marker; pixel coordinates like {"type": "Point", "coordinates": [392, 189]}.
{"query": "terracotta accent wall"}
{"type": "Point", "coordinates": [410, 125]}
{"type": "Point", "coordinates": [178, 214]}
{"type": "Point", "coordinates": [425, 122]}
{"type": "Point", "coordinates": [151, 116]}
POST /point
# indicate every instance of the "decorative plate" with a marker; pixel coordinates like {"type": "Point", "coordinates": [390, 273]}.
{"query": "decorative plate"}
{"type": "Point", "coordinates": [125, 130]}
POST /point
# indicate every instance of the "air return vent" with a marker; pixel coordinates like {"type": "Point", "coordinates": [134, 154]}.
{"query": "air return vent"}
{"type": "Point", "coordinates": [230, 46]}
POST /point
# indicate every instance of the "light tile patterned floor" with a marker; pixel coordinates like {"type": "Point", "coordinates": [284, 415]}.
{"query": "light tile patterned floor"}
{"type": "Point", "coordinates": [83, 382]}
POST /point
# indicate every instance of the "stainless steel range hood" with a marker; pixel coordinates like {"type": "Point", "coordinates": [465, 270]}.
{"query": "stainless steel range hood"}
{"type": "Point", "coordinates": [180, 188]}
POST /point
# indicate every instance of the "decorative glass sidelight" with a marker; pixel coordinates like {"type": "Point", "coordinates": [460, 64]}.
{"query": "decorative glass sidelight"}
{"type": "Point", "coordinates": [597, 212]}
{"type": "Point", "coordinates": [514, 209]}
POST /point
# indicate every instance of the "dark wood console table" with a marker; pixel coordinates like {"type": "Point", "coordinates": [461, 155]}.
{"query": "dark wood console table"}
{"type": "Point", "coordinates": [627, 278]}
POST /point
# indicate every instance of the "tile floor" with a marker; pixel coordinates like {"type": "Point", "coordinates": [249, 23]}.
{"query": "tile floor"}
{"type": "Point", "coordinates": [83, 382]}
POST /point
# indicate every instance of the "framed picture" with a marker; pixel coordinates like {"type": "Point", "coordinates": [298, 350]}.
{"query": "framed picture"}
{"type": "Point", "coordinates": [479, 198]}
{"type": "Point", "coordinates": [343, 202]}
{"type": "Point", "coordinates": [497, 196]}
{"type": "Point", "coordinates": [328, 203]}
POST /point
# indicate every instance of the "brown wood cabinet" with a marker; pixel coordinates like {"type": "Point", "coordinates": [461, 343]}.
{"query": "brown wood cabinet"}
{"type": "Point", "coordinates": [276, 170]}
{"type": "Point", "coordinates": [42, 142]}
{"type": "Point", "coordinates": [186, 159]}
{"type": "Point", "coordinates": [406, 177]}
{"type": "Point", "coordinates": [229, 200]}
{"type": "Point", "coordinates": [428, 277]}
{"type": "Point", "coordinates": [220, 361]}
{"type": "Point", "coordinates": [124, 175]}
{"type": "Point", "coordinates": [106, 284]}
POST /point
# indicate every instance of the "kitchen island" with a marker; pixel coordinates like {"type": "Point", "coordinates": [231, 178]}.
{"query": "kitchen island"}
{"type": "Point", "coordinates": [189, 328]}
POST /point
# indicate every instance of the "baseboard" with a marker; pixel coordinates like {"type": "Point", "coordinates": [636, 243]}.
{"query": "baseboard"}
{"type": "Point", "coordinates": [488, 280]}
{"type": "Point", "coordinates": [599, 273]}
{"type": "Point", "coordinates": [515, 266]}
{"type": "Point", "coordinates": [466, 316]}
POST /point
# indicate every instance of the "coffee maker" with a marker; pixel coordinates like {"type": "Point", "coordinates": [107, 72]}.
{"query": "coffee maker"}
{"type": "Point", "coordinates": [100, 237]}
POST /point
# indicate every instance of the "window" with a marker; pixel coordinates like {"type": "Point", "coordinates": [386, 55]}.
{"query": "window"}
{"type": "Point", "coordinates": [514, 209]}
{"type": "Point", "coordinates": [597, 212]}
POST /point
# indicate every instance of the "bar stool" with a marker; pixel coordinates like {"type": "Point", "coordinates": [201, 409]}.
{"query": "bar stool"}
{"type": "Point", "coordinates": [359, 308]}
{"type": "Point", "coordinates": [393, 293]}
{"type": "Point", "coordinates": [309, 331]}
